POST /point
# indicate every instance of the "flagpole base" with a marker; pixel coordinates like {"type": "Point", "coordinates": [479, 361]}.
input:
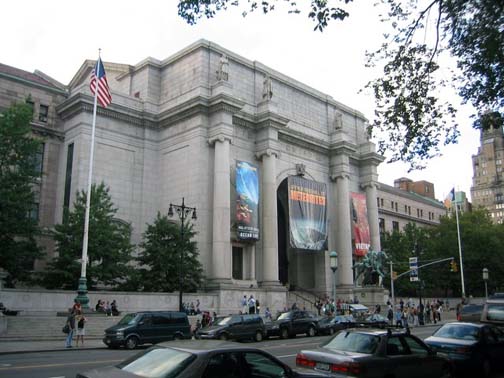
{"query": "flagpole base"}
{"type": "Point", "coordinates": [82, 293]}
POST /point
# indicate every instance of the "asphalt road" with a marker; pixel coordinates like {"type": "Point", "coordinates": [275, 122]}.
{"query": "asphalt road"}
{"type": "Point", "coordinates": [65, 364]}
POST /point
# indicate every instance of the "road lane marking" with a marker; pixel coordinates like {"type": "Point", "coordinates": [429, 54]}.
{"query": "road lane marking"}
{"type": "Point", "coordinates": [58, 365]}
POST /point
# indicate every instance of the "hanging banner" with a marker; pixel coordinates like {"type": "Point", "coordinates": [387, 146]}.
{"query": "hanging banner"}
{"type": "Point", "coordinates": [307, 214]}
{"type": "Point", "coordinates": [247, 201]}
{"type": "Point", "coordinates": [361, 235]}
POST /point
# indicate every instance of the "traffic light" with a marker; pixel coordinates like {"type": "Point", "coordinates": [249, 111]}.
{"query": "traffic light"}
{"type": "Point", "coordinates": [453, 266]}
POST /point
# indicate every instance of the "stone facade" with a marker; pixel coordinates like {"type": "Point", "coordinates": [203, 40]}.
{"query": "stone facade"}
{"type": "Point", "coordinates": [397, 207]}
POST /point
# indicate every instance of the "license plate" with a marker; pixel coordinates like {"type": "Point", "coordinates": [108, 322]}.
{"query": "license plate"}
{"type": "Point", "coordinates": [322, 366]}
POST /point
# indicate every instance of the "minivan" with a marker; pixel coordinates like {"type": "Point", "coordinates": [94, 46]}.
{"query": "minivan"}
{"type": "Point", "coordinates": [148, 327]}
{"type": "Point", "coordinates": [235, 327]}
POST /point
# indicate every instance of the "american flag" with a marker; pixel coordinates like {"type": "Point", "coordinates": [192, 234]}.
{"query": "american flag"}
{"type": "Point", "coordinates": [104, 96]}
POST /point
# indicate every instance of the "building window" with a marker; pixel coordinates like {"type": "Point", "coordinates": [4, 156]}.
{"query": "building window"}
{"type": "Point", "coordinates": [381, 202]}
{"type": "Point", "coordinates": [43, 113]}
{"type": "Point", "coordinates": [378, 202]}
{"type": "Point", "coordinates": [396, 206]}
{"type": "Point", "coordinates": [38, 160]}
{"type": "Point", "coordinates": [31, 104]}
{"type": "Point", "coordinates": [381, 223]}
{"type": "Point", "coordinates": [409, 210]}
{"type": "Point", "coordinates": [395, 226]}
{"type": "Point", "coordinates": [68, 179]}
{"type": "Point", "coordinates": [392, 205]}
{"type": "Point", "coordinates": [421, 213]}
{"type": "Point", "coordinates": [426, 189]}
{"type": "Point", "coordinates": [238, 263]}
{"type": "Point", "coordinates": [405, 209]}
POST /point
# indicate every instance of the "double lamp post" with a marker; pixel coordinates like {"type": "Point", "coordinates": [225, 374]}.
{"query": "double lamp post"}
{"type": "Point", "coordinates": [183, 212]}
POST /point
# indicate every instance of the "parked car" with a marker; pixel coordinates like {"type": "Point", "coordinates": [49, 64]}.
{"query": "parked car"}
{"type": "Point", "coordinates": [292, 323]}
{"type": "Point", "coordinates": [200, 358]}
{"type": "Point", "coordinates": [471, 313]}
{"type": "Point", "coordinates": [366, 352]}
{"type": "Point", "coordinates": [328, 325]}
{"type": "Point", "coordinates": [375, 320]}
{"type": "Point", "coordinates": [493, 310]}
{"type": "Point", "coordinates": [476, 348]}
{"type": "Point", "coordinates": [148, 327]}
{"type": "Point", "coordinates": [235, 327]}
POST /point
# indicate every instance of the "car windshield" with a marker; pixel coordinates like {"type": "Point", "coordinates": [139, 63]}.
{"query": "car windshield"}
{"type": "Point", "coordinates": [457, 331]}
{"type": "Point", "coordinates": [495, 312]}
{"type": "Point", "coordinates": [353, 342]}
{"type": "Point", "coordinates": [128, 319]}
{"type": "Point", "coordinates": [157, 363]}
{"type": "Point", "coordinates": [226, 320]}
{"type": "Point", "coordinates": [285, 315]}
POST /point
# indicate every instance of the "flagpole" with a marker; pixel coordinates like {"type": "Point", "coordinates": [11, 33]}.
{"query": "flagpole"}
{"type": "Point", "coordinates": [82, 290]}
{"type": "Point", "coordinates": [460, 247]}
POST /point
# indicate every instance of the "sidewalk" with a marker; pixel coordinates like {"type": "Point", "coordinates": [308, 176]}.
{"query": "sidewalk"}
{"type": "Point", "coordinates": [7, 347]}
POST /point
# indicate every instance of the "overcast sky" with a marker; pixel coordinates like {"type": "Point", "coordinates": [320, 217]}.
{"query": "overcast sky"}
{"type": "Point", "coordinates": [56, 37]}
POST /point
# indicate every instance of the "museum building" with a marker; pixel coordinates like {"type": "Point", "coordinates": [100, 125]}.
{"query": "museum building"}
{"type": "Point", "coordinates": [280, 173]}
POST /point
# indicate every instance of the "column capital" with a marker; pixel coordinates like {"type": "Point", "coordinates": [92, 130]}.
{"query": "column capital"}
{"type": "Point", "coordinates": [267, 152]}
{"type": "Point", "coordinates": [341, 175]}
{"type": "Point", "coordinates": [370, 184]}
{"type": "Point", "coordinates": [219, 138]}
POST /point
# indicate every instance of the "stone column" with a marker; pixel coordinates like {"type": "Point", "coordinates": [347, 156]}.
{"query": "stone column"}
{"type": "Point", "coordinates": [221, 235]}
{"type": "Point", "coordinates": [372, 212]}
{"type": "Point", "coordinates": [269, 219]}
{"type": "Point", "coordinates": [343, 229]}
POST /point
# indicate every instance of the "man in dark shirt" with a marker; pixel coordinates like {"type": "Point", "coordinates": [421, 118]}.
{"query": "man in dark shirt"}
{"type": "Point", "coordinates": [71, 325]}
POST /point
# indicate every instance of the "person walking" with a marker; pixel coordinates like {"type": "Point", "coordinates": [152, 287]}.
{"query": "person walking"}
{"type": "Point", "coordinates": [244, 305]}
{"type": "Point", "coordinates": [70, 322]}
{"type": "Point", "coordinates": [81, 320]}
{"type": "Point", "coordinates": [252, 305]}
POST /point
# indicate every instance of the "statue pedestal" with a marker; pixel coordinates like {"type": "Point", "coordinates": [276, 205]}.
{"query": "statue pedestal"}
{"type": "Point", "coordinates": [370, 296]}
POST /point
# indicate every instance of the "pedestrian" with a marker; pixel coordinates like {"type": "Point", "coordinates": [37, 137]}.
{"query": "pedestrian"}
{"type": "Point", "coordinates": [81, 320]}
{"type": "Point", "coordinates": [70, 322]}
{"type": "Point", "coordinates": [458, 310]}
{"type": "Point", "coordinates": [258, 306]}
{"type": "Point", "coordinates": [76, 306]}
{"type": "Point", "coordinates": [251, 305]}
{"type": "Point", "coordinates": [267, 313]}
{"type": "Point", "coordinates": [244, 305]}
{"type": "Point", "coordinates": [113, 308]}
{"type": "Point", "coordinates": [398, 317]}
{"type": "Point", "coordinates": [390, 315]}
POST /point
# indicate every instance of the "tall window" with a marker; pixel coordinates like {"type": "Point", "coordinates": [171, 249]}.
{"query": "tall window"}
{"type": "Point", "coordinates": [238, 263]}
{"type": "Point", "coordinates": [381, 223]}
{"type": "Point", "coordinates": [43, 113]}
{"type": "Point", "coordinates": [39, 159]}
{"type": "Point", "coordinates": [395, 226]}
{"type": "Point", "coordinates": [68, 178]}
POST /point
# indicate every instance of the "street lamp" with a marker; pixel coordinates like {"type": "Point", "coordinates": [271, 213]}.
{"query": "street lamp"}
{"type": "Point", "coordinates": [485, 278]}
{"type": "Point", "coordinates": [333, 263]}
{"type": "Point", "coordinates": [183, 212]}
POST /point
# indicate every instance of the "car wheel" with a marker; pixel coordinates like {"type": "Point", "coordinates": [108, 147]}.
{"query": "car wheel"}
{"type": "Point", "coordinates": [131, 342]}
{"type": "Point", "coordinates": [446, 372]}
{"type": "Point", "coordinates": [284, 333]}
{"type": "Point", "coordinates": [486, 368]}
{"type": "Point", "coordinates": [223, 337]}
{"type": "Point", "coordinates": [258, 336]}
{"type": "Point", "coordinates": [311, 332]}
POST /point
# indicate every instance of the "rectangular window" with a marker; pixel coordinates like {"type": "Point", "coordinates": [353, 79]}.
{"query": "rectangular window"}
{"type": "Point", "coordinates": [39, 160]}
{"type": "Point", "coordinates": [381, 223]}
{"type": "Point", "coordinates": [396, 206]}
{"type": "Point", "coordinates": [409, 210]}
{"type": "Point", "coordinates": [395, 226]}
{"type": "Point", "coordinates": [405, 209]}
{"type": "Point", "coordinates": [421, 213]}
{"type": "Point", "coordinates": [418, 213]}
{"type": "Point", "coordinates": [378, 202]}
{"type": "Point", "coordinates": [238, 263]}
{"type": "Point", "coordinates": [31, 104]}
{"type": "Point", "coordinates": [68, 180]}
{"type": "Point", "coordinates": [392, 205]}
{"type": "Point", "coordinates": [43, 113]}
{"type": "Point", "coordinates": [381, 202]}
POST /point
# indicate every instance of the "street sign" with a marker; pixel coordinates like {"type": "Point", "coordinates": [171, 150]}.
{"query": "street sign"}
{"type": "Point", "coordinates": [413, 264]}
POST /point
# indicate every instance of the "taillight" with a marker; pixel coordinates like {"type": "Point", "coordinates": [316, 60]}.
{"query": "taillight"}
{"type": "Point", "coordinates": [346, 368]}
{"type": "Point", "coordinates": [302, 360]}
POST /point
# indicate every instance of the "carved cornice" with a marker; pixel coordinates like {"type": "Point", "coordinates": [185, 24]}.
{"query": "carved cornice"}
{"type": "Point", "coordinates": [270, 119]}
{"type": "Point", "coordinates": [47, 132]}
{"type": "Point", "coordinates": [343, 147]}
{"type": "Point", "coordinates": [372, 158]}
{"type": "Point", "coordinates": [219, 138]}
{"type": "Point", "coordinates": [302, 140]}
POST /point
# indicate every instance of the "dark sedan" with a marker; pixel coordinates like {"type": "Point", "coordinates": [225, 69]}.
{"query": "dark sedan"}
{"type": "Point", "coordinates": [363, 352]}
{"type": "Point", "coordinates": [329, 326]}
{"type": "Point", "coordinates": [193, 359]}
{"type": "Point", "coordinates": [375, 320]}
{"type": "Point", "coordinates": [476, 348]}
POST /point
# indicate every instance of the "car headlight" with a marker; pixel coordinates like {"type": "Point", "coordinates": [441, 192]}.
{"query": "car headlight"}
{"type": "Point", "coordinates": [119, 333]}
{"type": "Point", "coordinates": [275, 327]}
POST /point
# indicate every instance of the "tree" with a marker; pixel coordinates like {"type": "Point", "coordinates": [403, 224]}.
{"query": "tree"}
{"type": "Point", "coordinates": [164, 252]}
{"type": "Point", "coordinates": [18, 175]}
{"type": "Point", "coordinates": [411, 122]}
{"type": "Point", "coordinates": [109, 247]}
{"type": "Point", "coordinates": [481, 248]}
{"type": "Point", "coordinates": [400, 246]}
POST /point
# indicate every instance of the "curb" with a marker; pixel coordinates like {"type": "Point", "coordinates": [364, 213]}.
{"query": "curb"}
{"type": "Point", "coordinates": [50, 350]}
